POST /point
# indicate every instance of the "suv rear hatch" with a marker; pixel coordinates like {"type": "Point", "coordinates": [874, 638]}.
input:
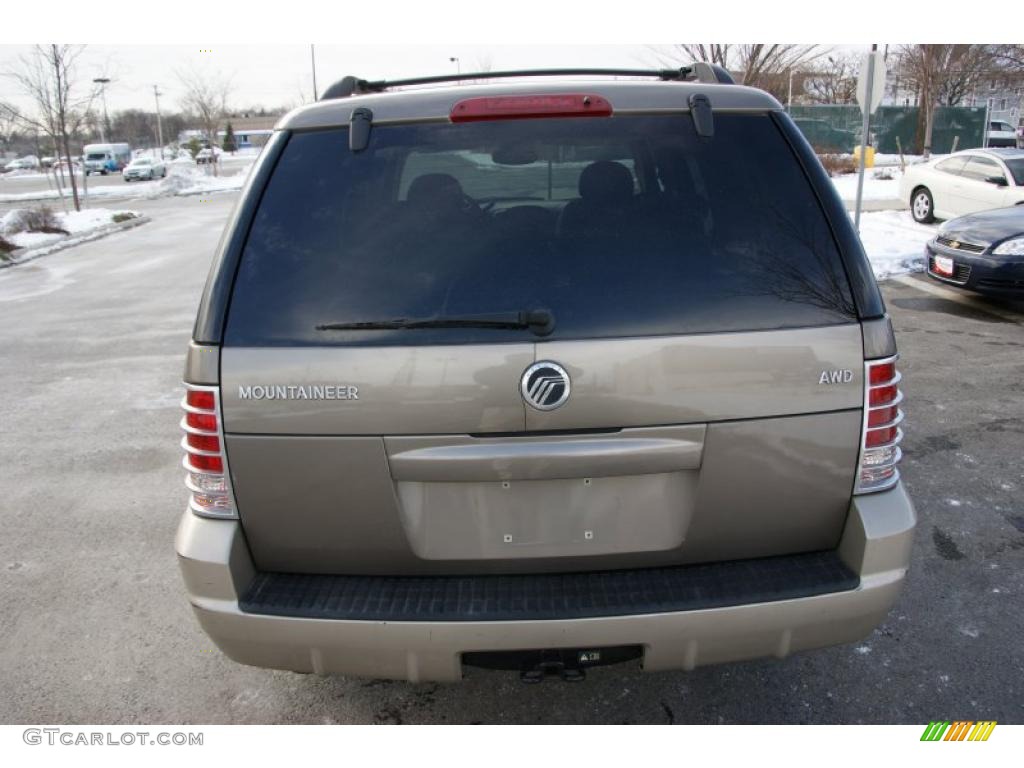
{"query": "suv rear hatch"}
{"type": "Point", "coordinates": [371, 370]}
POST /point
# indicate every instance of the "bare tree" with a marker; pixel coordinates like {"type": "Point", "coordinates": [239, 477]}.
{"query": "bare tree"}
{"type": "Point", "coordinates": [8, 125]}
{"type": "Point", "coordinates": [833, 80]}
{"type": "Point", "coordinates": [206, 98]}
{"type": "Point", "coordinates": [762, 65]}
{"type": "Point", "coordinates": [48, 77]}
{"type": "Point", "coordinates": [943, 74]}
{"type": "Point", "coordinates": [1010, 57]}
{"type": "Point", "coordinates": [972, 64]}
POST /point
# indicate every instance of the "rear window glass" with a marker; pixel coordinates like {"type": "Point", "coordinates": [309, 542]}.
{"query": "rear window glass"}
{"type": "Point", "coordinates": [623, 226]}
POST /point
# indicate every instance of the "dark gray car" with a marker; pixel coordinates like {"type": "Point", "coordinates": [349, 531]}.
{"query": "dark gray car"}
{"type": "Point", "coordinates": [540, 374]}
{"type": "Point", "coordinates": [981, 252]}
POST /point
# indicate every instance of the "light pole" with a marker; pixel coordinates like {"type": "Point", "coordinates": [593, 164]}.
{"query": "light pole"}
{"type": "Point", "coordinates": [159, 124]}
{"type": "Point", "coordinates": [458, 64]}
{"type": "Point", "coordinates": [102, 82]}
{"type": "Point", "coordinates": [312, 57]}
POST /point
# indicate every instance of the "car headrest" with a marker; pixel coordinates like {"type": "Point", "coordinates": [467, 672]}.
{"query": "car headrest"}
{"type": "Point", "coordinates": [436, 190]}
{"type": "Point", "coordinates": [606, 181]}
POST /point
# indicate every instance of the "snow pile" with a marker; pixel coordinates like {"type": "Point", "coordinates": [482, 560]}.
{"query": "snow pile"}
{"type": "Point", "coordinates": [188, 179]}
{"type": "Point", "coordinates": [894, 242]}
{"type": "Point", "coordinates": [874, 189]}
{"type": "Point", "coordinates": [33, 239]}
{"type": "Point", "coordinates": [22, 173]}
{"type": "Point", "coordinates": [104, 190]}
{"type": "Point", "coordinates": [75, 223]}
{"type": "Point", "coordinates": [9, 221]}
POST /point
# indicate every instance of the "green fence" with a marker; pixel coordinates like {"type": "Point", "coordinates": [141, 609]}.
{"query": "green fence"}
{"type": "Point", "coordinates": [836, 128]}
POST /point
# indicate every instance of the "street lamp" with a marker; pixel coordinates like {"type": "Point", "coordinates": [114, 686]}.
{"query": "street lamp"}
{"type": "Point", "coordinates": [102, 82]}
{"type": "Point", "coordinates": [159, 124]}
{"type": "Point", "coordinates": [458, 64]}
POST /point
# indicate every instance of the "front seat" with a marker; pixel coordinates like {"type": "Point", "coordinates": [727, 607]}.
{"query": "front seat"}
{"type": "Point", "coordinates": [604, 206]}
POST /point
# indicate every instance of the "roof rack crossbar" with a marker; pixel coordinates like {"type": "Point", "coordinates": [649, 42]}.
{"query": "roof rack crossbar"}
{"type": "Point", "coordinates": [701, 72]}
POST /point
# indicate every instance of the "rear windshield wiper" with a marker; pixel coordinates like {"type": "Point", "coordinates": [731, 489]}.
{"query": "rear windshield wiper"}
{"type": "Point", "coordinates": [540, 321]}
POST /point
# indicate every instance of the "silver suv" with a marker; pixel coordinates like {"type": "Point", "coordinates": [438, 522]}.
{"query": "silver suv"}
{"type": "Point", "coordinates": [540, 373]}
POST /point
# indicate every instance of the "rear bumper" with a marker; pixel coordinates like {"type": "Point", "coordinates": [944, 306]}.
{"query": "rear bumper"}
{"type": "Point", "coordinates": [217, 570]}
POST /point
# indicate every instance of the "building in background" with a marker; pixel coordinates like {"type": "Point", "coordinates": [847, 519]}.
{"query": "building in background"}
{"type": "Point", "coordinates": [1003, 93]}
{"type": "Point", "coordinates": [250, 131]}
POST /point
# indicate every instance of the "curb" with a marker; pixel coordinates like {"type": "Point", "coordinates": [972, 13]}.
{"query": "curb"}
{"type": "Point", "coordinates": [25, 255]}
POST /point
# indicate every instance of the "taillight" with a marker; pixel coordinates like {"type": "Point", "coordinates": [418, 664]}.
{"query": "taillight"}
{"type": "Point", "coordinates": [205, 462]}
{"type": "Point", "coordinates": [881, 435]}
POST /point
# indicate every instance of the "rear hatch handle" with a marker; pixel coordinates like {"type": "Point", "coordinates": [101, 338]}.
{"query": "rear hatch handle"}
{"type": "Point", "coordinates": [525, 459]}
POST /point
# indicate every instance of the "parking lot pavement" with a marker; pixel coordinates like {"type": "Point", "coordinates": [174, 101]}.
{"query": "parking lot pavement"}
{"type": "Point", "coordinates": [96, 629]}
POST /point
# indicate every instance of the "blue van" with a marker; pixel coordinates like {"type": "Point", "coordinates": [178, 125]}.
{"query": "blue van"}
{"type": "Point", "coordinates": [106, 158]}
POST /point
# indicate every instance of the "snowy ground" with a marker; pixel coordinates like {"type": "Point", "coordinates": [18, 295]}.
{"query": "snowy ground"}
{"type": "Point", "coordinates": [894, 242]}
{"type": "Point", "coordinates": [76, 223]}
{"type": "Point", "coordinates": [182, 179]}
{"type": "Point", "coordinates": [874, 189]}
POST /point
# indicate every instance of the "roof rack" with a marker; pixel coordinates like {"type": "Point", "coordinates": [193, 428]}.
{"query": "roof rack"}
{"type": "Point", "coordinates": [698, 72]}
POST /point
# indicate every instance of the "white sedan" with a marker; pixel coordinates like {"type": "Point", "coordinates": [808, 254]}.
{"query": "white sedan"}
{"type": "Point", "coordinates": [965, 182]}
{"type": "Point", "coordinates": [144, 168]}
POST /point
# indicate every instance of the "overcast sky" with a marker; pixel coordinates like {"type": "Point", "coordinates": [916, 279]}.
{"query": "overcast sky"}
{"type": "Point", "coordinates": [281, 75]}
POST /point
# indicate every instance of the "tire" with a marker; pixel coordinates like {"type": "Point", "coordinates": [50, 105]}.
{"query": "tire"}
{"type": "Point", "coordinates": [922, 206]}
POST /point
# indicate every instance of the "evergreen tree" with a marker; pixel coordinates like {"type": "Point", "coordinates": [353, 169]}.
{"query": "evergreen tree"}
{"type": "Point", "coordinates": [229, 145]}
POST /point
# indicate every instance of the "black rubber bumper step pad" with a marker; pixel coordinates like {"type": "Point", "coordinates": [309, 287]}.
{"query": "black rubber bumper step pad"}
{"type": "Point", "coordinates": [524, 597]}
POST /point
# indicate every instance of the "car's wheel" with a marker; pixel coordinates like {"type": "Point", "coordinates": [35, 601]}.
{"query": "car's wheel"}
{"type": "Point", "coordinates": [922, 207]}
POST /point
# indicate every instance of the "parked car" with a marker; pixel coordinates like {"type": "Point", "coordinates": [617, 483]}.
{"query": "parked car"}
{"type": "Point", "coordinates": [61, 166]}
{"type": "Point", "coordinates": [26, 163]}
{"type": "Point", "coordinates": [144, 168]}
{"type": "Point", "coordinates": [514, 378]}
{"type": "Point", "coordinates": [981, 252]}
{"type": "Point", "coordinates": [208, 155]}
{"type": "Point", "coordinates": [964, 182]}
{"type": "Point", "coordinates": [1001, 134]}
